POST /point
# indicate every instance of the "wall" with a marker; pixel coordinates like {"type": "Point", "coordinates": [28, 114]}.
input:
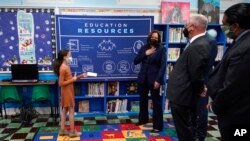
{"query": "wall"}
{"type": "Point", "coordinates": [110, 7]}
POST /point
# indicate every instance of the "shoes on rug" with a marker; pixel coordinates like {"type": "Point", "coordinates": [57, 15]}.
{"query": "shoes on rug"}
{"type": "Point", "coordinates": [155, 131]}
{"type": "Point", "coordinates": [75, 134]}
{"type": "Point", "coordinates": [63, 132]}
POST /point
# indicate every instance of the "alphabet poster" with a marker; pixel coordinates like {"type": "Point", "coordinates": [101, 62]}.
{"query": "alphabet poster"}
{"type": "Point", "coordinates": [105, 45]}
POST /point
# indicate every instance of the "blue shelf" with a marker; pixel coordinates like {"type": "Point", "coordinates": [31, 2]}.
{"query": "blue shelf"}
{"type": "Point", "coordinates": [123, 96]}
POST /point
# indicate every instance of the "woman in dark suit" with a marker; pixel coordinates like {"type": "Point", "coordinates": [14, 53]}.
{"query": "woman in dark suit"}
{"type": "Point", "coordinates": [152, 57]}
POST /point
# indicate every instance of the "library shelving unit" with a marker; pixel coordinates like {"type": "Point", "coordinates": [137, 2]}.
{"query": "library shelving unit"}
{"type": "Point", "coordinates": [107, 97]}
{"type": "Point", "coordinates": [101, 97]}
{"type": "Point", "coordinates": [175, 43]}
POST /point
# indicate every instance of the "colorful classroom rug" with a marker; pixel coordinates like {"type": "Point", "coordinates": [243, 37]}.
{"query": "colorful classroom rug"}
{"type": "Point", "coordinates": [110, 132]}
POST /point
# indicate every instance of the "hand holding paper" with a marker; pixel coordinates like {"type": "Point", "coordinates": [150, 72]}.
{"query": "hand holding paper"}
{"type": "Point", "coordinates": [92, 74]}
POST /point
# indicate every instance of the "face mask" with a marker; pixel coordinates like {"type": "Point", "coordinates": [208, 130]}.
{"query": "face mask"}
{"type": "Point", "coordinates": [153, 42]}
{"type": "Point", "coordinates": [227, 31]}
{"type": "Point", "coordinates": [69, 59]}
{"type": "Point", "coordinates": [185, 32]}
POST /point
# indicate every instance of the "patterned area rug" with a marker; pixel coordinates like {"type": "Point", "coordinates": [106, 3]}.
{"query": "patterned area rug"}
{"type": "Point", "coordinates": [99, 128]}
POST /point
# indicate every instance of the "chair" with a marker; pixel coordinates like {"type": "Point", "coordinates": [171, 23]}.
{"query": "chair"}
{"type": "Point", "coordinates": [9, 94]}
{"type": "Point", "coordinates": [40, 93]}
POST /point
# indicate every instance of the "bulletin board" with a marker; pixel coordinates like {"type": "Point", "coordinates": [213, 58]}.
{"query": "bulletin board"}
{"type": "Point", "coordinates": [106, 45]}
{"type": "Point", "coordinates": [26, 37]}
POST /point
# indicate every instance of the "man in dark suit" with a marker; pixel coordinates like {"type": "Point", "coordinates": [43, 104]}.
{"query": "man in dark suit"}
{"type": "Point", "coordinates": [152, 57]}
{"type": "Point", "coordinates": [186, 84]}
{"type": "Point", "coordinates": [229, 83]}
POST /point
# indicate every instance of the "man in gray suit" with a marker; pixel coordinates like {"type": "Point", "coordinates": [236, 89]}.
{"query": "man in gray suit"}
{"type": "Point", "coordinates": [187, 82]}
{"type": "Point", "coordinates": [229, 83]}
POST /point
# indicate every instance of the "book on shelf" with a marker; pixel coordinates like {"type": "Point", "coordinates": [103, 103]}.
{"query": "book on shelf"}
{"type": "Point", "coordinates": [176, 35]}
{"type": "Point", "coordinates": [170, 67]}
{"type": "Point", "coordinates": [220, 52]}
{"type": "Point", "coordinates": [132, 88]}
{"type": "Point", "coordinates": [116, 106]}
{"type": "Point", "coordinates": [135, 106]}
{"type": "Point", "coordinates": [113, 88]}
{"type": "Point", "coordinates": [173, 54]}
{"type": "Point", "coordinates": [83, 106]}
{"type": "Point", "coordinates": [96, 89]}
{"type": "Point", "coordinates": [161, 33]}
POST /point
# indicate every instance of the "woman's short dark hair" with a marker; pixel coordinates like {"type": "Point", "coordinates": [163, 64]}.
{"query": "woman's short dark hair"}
{"type": "Point", "coordinates": [239, 13]}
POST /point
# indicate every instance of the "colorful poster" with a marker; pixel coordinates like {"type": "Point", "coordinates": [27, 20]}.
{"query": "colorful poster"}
{"type": "Point", "coordinates": [26, 37]}
{"type": "Point", "coordinates": [175, 12]}
{"type": "Point", "coordinates": [25, 26]}
{"type": "Point", "coordinates": [211, 9]}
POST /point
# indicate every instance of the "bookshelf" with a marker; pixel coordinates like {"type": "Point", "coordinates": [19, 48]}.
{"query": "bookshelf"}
{"type": "Point", "coordinates": [102, 97]}
{"type": "Point", "coordinates": [107, 97]}
{"type": "Point", "coordinates": [175, 44]}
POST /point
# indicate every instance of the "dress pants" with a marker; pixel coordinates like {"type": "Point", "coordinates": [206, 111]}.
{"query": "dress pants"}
{"type": "Point", "coordinates": [157, 106]}
{"type": "Point", "coordinates": [199, 117]}
{"type": "Point", "coordinates": [182, 120]}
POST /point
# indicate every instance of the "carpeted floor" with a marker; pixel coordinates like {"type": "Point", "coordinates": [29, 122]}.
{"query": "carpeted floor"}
{"type": "Point", "coordinates": [99, 128]}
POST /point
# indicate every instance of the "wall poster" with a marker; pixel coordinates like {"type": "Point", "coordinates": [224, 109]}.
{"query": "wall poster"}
{"type": "Point", "coordinates": [106, 45]}
{"type": "Point", "coordinates": [26, 38]}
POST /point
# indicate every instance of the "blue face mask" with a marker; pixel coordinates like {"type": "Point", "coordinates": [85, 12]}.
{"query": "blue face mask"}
{"type": "Point", "coordinates": [227, 31]}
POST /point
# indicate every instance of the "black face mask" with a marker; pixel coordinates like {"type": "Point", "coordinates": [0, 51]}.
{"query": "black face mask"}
{"type": "Point", "coordinates": [185, 32]}
{"type": "Point", "coordinates": [153, 42]}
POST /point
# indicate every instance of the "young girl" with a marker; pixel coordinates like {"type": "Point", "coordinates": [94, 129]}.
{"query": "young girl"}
{"type": "Point", "coordinates": [66, 80]}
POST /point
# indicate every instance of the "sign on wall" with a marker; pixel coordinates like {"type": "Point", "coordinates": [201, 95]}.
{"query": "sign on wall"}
{"type": "Point", "coordinates": [106, 45]}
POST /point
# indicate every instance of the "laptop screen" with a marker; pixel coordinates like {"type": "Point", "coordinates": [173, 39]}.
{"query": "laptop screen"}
{"type": "Point", "coordinates": [24, 72]}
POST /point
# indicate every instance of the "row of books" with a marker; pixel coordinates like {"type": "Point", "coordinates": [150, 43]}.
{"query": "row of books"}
{"type": "Point", "coordinates": [96, 89]}
{"type": "Point", "coordinates": [120, 106]}
{"type": "Point", "coordinates": [174, 53]}
{"type": "Point", "coordinates": [176, 35]}
{"type": "Point", "coordinates": [117, 106]}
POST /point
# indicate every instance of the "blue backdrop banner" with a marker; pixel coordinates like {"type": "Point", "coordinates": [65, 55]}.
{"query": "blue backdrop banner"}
{"type": "Point", "coordinates": [105, 45]}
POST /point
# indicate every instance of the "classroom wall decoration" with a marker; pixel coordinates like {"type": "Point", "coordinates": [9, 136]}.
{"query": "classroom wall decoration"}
{"type": "Point", "coordinates": [106, 45]}
{"type": "Point", "coordinates": [27, 37]}
{"type": "Point", "coordinates": [175, 12]}
{"type": "Point", "coordinates": [211, 9]}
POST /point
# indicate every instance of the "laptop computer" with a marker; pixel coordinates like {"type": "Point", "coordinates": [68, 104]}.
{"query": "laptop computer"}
{"type": "Point", "coordinates": [22, 73]}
